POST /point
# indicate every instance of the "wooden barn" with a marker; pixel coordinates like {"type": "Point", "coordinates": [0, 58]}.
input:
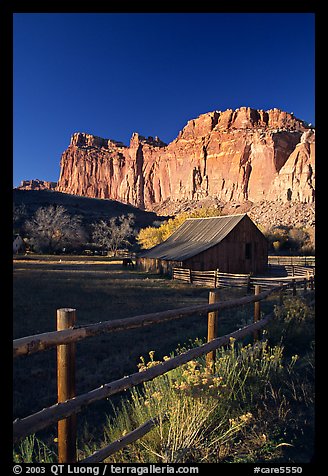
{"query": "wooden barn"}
{"type": "Point", "coordinates": [231, 243]}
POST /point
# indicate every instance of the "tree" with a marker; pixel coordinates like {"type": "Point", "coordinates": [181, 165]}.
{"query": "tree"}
{"type": "Point", "coordinates": [113, 234]}
{"type": "Point", "coordinates": [153, 235]}
{"type": "Point", "coordinates": [290, 238]}
{"type": "Point", "coordinates": [52, 229]}
{"type": "Point", "coordinates": [19, 215]}
{"type": "Point", "coordinates": [150, 236]}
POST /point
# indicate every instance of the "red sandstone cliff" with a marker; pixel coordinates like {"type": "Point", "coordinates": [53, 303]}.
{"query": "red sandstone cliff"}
{"type": "Point", "coordinates": [242, 154]}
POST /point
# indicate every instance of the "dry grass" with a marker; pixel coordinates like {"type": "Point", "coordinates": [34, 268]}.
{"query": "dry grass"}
{"type": "Point", "coordinates": [100, 289]}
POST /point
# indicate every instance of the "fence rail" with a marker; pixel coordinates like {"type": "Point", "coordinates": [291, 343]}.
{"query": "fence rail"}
{"type": "Point", "coordinates": [292, 260]}
{"type": "Point", "coordinates": [214, 278]}
{"type": "Point", "coordinates": [134, 435]}
{"type": "Point", "coordinates": [40, 342]}
{"type": "Point", "coordinates": [40, 420]}
{"type": "Point", "coordinates": [64, 410]}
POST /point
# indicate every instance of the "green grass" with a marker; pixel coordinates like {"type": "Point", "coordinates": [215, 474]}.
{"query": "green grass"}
{"type": "Point", "coordinates": [33, 450]}
{"type": "Point", "coordinates": [100, 289]}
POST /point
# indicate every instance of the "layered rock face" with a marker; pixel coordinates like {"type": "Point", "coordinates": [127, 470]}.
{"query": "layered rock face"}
{"type": "Point", "coordinates": [235, 155]}
{"type": "Point", "coordinates": [37, 185]}
{"type": "Point", "coordinates": [296, 179]}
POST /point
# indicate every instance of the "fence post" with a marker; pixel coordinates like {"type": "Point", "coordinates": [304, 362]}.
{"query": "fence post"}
{"type": "Point", "coordinates": [212, 328]}
{"type": "Point", "coordinates": [216, 276]}
{"type": "Point", "coordinates": [311, 282]}
{"type": "Point", "coordinates": [294, 287]}
{"type": "Point", "coordinates": [248, 286]}
{"type": "Point", "coordinates": [257, 310]}
{"type": "Point", "coordinates": [66, 318]}
{"type": "Point", "coordinates": [190, 276]}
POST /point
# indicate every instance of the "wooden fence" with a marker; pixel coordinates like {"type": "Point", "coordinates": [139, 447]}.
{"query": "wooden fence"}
{"type": "Point", "coordinates": [65, 411]}
{"type": "Point", "coordinates": [216, 279]}
{"type": "Point", "coordinates": [212, 278]}
{"type": "Point", "coordinates": [292, 260]}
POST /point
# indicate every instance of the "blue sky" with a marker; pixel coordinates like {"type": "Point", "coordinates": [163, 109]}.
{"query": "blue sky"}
{"type": "Point", "coordinates": [112, 74]}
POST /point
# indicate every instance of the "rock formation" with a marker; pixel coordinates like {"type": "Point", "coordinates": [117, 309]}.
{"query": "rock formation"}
{"type": "Point", "coordinates": [296, 178]}
{"type": "Point", "coordinates": [235, 155]}
{"type": "Point", "coordinates": [37, 185]}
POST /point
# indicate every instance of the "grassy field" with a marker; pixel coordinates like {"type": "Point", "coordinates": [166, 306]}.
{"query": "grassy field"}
{"type": "Point", "coordinates": [100, 289]}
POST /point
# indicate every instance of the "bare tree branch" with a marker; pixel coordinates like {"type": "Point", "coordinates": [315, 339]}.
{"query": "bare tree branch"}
{"type": "Point", "coordinates": [52, 228]}
{"type": "Point", "coordinates": [113, 234]}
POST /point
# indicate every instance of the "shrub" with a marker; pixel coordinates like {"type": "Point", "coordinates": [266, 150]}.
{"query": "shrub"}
{"type": "Point", "coordinates": [287, 238]}
{"type": "Point", "coordinates": [294, 323]}
{"type": "Point", "coordinates": [202, 415]}
{"type": "Point", "coordinates": [256, 406]}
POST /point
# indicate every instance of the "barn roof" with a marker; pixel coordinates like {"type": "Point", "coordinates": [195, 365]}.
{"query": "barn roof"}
{"type": "Point", "coordinates": [194, 236]}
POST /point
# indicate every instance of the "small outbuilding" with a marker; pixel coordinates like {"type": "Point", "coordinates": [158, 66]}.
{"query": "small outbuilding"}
{"type": "Point", "coordinates": [18, 244]}
{"type": "Point", "coordinates": [231, 243]}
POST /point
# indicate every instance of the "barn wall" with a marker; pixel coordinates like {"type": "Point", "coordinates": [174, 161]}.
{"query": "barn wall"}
{"type": "Point", "coordinates": [160, 266]}
{"type": "Point", "coordinates": [247, 232]}
{"type": "Point", "coordinates": [229, 256]}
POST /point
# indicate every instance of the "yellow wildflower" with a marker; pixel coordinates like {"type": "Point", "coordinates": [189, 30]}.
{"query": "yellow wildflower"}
{"type": "Point", "coordinates": [157, 395]}
{"type": "Point", "coordinates": [246, 418]}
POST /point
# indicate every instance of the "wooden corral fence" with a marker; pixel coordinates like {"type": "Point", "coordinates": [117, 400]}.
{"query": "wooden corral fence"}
{"type": "Point", "coordinates": [212, 278]}
{"type": "Point", "coordinates": [65, 411]}
{"type": "Point", "coordinates": [216, 279]}
{"type": "Point", "coordinates": [292, 260]}
{"type": "Point", "coordinates": [289, 270]}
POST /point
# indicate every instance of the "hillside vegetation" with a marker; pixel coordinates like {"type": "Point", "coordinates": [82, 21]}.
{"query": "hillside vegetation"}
{"type": "Point", "coordinates": [90, 209]}
{"type": "Point", "coordinates": [280, 238]}
{"type": "Point", "coordinates": [289, 227]}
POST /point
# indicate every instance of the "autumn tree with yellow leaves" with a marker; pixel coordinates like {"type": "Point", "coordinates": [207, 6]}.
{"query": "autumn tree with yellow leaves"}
{"type": "Point", "coordinates": [154, 235]}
